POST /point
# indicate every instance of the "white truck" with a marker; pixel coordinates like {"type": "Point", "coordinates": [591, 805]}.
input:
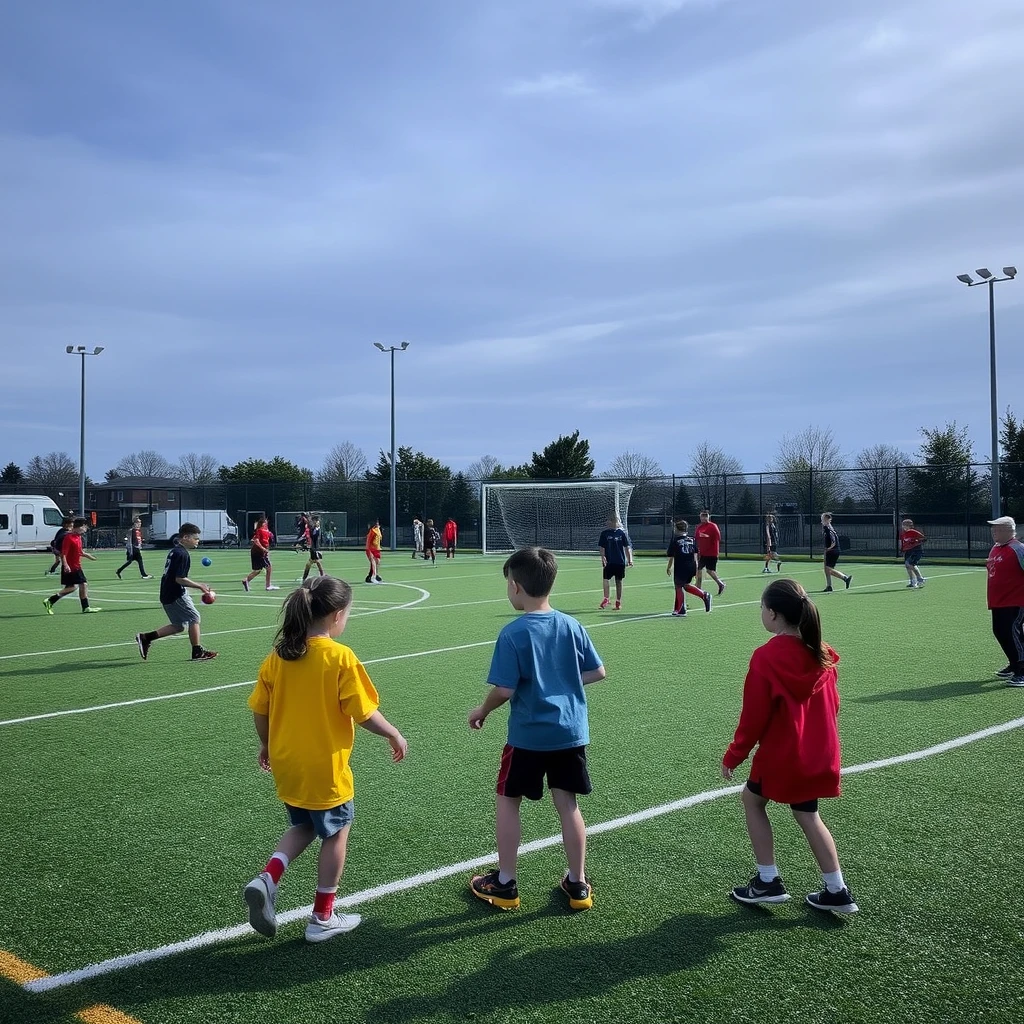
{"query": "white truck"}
{"type": "Point", "coordinates": [28, 522]}
{"type": "Point", "coordinates": [217, 526]}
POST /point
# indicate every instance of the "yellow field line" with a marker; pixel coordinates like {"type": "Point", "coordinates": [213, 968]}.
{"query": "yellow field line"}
{"type": "Point", "coordinates": [19, 971]}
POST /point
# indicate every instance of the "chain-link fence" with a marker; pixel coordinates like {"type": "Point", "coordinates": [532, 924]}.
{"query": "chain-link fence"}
{"type": "Point", "coordinates": [950, 504]}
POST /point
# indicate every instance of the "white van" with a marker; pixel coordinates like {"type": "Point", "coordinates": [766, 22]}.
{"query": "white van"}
{"type": "Point", "coordinates": [28, 522]}
{"type": "Point", "coordinates": [217, 526]}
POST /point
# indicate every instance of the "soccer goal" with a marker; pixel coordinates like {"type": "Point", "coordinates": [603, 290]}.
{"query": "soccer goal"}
{"type": "Point", "coordinates": [564, 518]}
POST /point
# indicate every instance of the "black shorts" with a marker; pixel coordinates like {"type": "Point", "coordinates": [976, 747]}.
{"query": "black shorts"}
{"type": "Point", "coordinates": [683, 579]}
{"type": "Point", "coordinates": [709, 562]}
{"type": "Point", "coordinates": [258, 560]}
{"type": "Point", "coordinates": [522, 772]}
{"type": "Point", "coordinates": [808, 806]}
{"type": "Point", "coordinates": [314, 555]}
{"type": "Point", "coordinates": [831, 558]}
{"type": "Point", "coordinates": [912, 557]}
{"type": "Point", "coordinates": [72, 578]}
{"type": "Point", "coordinates": [614, 572]}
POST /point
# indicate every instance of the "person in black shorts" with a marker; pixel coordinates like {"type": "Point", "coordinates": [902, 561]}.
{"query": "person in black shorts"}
{"type": "Point", "coordinates": [430, 541]}
{"type": "Point", "coordinates": [55, 544]}
{"type": "Point", "coordinates": [830, 541]}
{"type": "Point", "coordinates": [315, 557]}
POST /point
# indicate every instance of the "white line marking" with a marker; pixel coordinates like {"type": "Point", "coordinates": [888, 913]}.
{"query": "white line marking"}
{"type": "Point", "coordinates": [210, 938]}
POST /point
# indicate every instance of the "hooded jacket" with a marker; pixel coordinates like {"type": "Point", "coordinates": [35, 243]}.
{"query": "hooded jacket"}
{"type": "Point", "coordinates": [790, 712]}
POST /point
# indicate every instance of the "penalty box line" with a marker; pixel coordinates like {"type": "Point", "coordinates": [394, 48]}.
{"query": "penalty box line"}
{"type": "Point", "coordinates": [210, 938]}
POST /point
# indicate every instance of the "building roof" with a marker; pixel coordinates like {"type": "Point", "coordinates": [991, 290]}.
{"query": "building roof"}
{"type": "Point", "coordinates": [132, 483]}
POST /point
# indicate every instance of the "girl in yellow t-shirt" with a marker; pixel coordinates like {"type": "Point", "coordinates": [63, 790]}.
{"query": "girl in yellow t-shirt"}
{"type": "Point", "coordinates": [309, 695]}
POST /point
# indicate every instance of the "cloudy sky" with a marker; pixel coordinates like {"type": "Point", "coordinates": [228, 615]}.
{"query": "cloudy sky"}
{"type": "Point", "coordinates": [656, 221]}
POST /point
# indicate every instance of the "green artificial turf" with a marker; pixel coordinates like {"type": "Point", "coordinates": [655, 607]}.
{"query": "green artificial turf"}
{"type": "Point", "coordinates": [135, 826]}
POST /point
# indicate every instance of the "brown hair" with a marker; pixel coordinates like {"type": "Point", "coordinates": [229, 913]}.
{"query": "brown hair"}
{"type": "Point", "coordinates": [314, 600]}
{"type": "Point", "coordinates": [189, 530]}
{"type": "Point", "coordinates": [681, 525]}
{"type": "Point", "coordinates": [534, 569]}
{"type": "Point", "coordinates": [788, 599]}
{"type": "Point", "coordinates": [80, 521]}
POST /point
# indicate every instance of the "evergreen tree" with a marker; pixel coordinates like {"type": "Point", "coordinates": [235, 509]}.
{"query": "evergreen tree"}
{"type": "Point", "coordinates": [11, 475]}
{"type": "Point", "coordinates": [946, 481]}
{"type": "Point", "coordinates": [1011, 468]}
{"type": "Point", "coordinates": [567, 458]}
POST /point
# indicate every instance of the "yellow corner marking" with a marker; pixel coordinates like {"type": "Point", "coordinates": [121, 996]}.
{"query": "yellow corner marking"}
{"type": "Point", "coordinates": [19, 971]}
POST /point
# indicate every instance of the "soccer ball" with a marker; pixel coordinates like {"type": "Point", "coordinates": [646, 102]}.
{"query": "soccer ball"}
{"type": "Point", "coordinates": [207, 561]}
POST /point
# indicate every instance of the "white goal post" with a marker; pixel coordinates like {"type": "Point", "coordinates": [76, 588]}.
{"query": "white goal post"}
{"type": "Point", "coordinates": [566, 518]}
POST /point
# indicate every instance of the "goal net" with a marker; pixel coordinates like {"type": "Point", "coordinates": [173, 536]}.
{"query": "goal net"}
{"type": "Point", "coordinates": [564, 518]}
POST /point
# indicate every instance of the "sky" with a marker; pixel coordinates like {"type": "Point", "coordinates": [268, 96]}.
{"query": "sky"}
{"type": "Point", "coordinates": [655, 221]}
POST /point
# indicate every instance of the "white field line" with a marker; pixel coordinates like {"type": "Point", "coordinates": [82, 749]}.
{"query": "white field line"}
{"type": "Point", "coordinates": [210, 938]}
{"type": "Point", "coordinates": [612, 620]}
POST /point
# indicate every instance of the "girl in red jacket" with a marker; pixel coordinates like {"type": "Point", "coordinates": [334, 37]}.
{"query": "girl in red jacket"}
{"type": "Point", "coordinates": [790, 707]}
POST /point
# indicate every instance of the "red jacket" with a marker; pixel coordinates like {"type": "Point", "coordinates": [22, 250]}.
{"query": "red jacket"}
{"type": "Point", "coordinates": [451, 532]}
{"type": "Point", "coordinates": [1006, 575]}
{"type": "Point", "coordinates": [790, 708]}
{"type": "Point", "coordinates": [708, 538]}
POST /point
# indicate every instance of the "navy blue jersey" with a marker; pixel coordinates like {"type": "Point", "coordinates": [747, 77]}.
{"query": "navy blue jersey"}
{"type": "Point", "coordinates": [773, 534]}
{"type": "Point", "coordinates": [615, 543]}
{"type": "Point", "coordinates": [178, 563]}
{"type": "Point", "coordinates": [683, 549]}
{"type": "Point", "coordinates": [829, 537]}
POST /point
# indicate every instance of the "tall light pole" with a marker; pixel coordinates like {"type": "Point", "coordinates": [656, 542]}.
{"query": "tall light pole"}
{"type": "Point", "coordinates": [987, 277]}
{"type": "Point", "coordinates": [394, 509]}
{"type": "Point", "coordinates": [81, 350]}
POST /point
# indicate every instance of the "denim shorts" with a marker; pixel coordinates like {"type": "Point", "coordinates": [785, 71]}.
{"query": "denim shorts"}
{"type": "Point", "coordinates": [913, 556]}
{"type": "Point", "coordinates": [182, 612]}
{"type": "Point", "coordinates": [325, 823]}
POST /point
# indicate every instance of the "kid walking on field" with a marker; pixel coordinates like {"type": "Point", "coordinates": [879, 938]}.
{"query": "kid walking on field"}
{"type": "Point", "coordinates": [310, 694]}
{"type": "Point", "coordinates": [911, 540]}
{"type": "Point", "coordinates": [71, 575]}
{"type": "Point", "coordinates": [541, 663]}
{"type": "Point", "coordinates": [259, 554]}
{"type": "Point", "coordinates": [790, 706]}
{"type": "Point", "coordinates": [682, 565]}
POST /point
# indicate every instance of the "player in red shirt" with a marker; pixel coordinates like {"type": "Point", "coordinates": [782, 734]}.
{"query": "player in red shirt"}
{"type": "Point", "coordinates": [910, 544]}
{"type": "Point", "coordinates": [708, 538]}
{"type": "Point", "coordinates": [790, 707]}
{"type": "Point", "coordinates": [1006, 596]}
{"type": "Point", "coordinates": [450, 536]}
{"type": "Point", "coordinates": [71, 575]}
{"type": "Point", "coordinates": [259, 554]}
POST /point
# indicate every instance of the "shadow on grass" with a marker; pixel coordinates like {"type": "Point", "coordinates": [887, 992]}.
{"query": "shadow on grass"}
{"type": "Point", "coordinates": [940, 691]}
{"type": "Point", "coordinates": [66, 667]}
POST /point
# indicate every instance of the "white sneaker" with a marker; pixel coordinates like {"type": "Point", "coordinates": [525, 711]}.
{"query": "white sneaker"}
{"type": "Point", "coordinates": [911, 586]}
{"type": "Point", "coordinates": [920, 582]}
{"type": "Point", "coordinates": [273, 588]}
{"type": "Point", "coordinates": [259, 895]}
{"type": "Point", "coordinates": [319, 930]}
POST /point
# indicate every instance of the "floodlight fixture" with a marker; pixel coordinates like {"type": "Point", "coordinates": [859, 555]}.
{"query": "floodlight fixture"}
{"type": "Point", "coordinates": [377, 344]}
{"type": "Point", "coordinates": [984, 273]}
{"type": "Point", "coordinates": [70, 349]}
{"type": "Point", "coordinates": [405, 345]}
{"type": "Point", "coordinates": [1010, 272]}
{"type": "Point", "coordinates": [966, 278]}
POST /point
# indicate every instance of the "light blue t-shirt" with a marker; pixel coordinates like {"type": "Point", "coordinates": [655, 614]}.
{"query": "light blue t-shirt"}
{"type": "Point", "coordinates": [542, 656]}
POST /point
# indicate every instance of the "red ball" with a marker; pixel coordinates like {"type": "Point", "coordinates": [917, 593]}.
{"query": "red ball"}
{"type": "Point", "coordinates": [209, 598]}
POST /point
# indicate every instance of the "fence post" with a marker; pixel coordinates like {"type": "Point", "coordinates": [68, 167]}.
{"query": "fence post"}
{"type": "Point", "coordinates": [897, 514]}
{"type": "Point", "coordinates": [810, 511]}
{"type": "Point", "coordinates": [967, 507]}
{"type": "Point", "coordinates": [725, 512]}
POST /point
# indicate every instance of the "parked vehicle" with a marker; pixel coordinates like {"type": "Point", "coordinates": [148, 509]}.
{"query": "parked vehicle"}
{"type": "Point", "coordinates": [217, 526]}
{"type": "Point", "coordinates": [28, 522]}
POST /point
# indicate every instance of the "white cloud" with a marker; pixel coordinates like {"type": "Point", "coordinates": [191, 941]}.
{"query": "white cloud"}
{"type": "Point", "coordinates": [550, 85]}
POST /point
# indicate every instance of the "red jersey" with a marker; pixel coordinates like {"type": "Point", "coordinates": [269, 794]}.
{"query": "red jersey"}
{"type": "Point", "coordinates": [708, 538]}
{"type": "Point", "coordinates": [261, 535]}
{"type": "Point", "coordinates": [71, 549]}
{"type": "Point", "coordinates": [910, 539]}
{"type": "Point", "coordinates": [790, 707]}
{"type": "Point", "coordinates": [136, 538]}
{"type": "Point", "coordinates": [451, 532]}
{"type": "Point", "coordinates": [1005, 575]}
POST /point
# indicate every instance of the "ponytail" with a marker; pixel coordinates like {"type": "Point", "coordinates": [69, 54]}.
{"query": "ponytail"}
{"type": "Point", "coordinates": [316, 599]}
{"type": "Point", "coordinates": [788, 599]}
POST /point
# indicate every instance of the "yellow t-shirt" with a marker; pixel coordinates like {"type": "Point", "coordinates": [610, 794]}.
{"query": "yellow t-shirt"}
{"type": "Point", "coordinates": [313, 705]}
{"type": "Point", "coordinates": [373, 538]}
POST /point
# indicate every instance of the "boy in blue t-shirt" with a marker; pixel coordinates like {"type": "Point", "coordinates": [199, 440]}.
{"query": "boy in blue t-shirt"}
{"type": "Point", "coordinates": [541, 662]}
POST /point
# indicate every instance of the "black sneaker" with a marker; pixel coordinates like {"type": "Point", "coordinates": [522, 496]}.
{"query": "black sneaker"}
{"type": "Point", "coordinates": [144, 645]}
{"type": "Point", "coordinates": [490, 890]}
{"type": "Point", "coordinates": [377, 579]}
{"type": "Point", "coordinates": [707, 600]}
{"type": "Point", "coordinates": [841, 902]}
{"type": "Point", "coordinates": [758, 891]}
{"type": "Point", "coordinates": [369, 578]}
{"type": "Point", "coordinates": [117, 573]}
{"type": "Point", "coordinates": [848, 581]}
{"type": "Point", "coordinates": [1007, 673]}
{"type": "Point", "coordinates": [204, 655]}
{"type": "Point", "coordinates": [581, 893]}
{"type": "Point", "coordinates": [827, 590]}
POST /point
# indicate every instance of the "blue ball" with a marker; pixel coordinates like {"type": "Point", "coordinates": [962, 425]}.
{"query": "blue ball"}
{"type": "Point", "coordinates": [207, 561]}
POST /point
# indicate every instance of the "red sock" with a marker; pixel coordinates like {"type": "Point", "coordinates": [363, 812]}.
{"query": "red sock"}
{"type": "Point", "coordinates": [275, 868]}
{"type": "Point", "coordinates": [323, 905]}
{"type": "Point", "coordinates": [696, 591]}
{"type": "Point", "coordinates": [680, 600]}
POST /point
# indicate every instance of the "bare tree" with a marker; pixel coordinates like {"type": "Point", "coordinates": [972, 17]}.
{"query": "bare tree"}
{"type": "Point", "coordinates": [876, 482]}
{"type": "Point", "coordinates": [483, 468]}
{"type": "Point", "coordinates": [345, 461]}
{"type": "Point", "coordinates": [710, 466]}
{"type": "Point", "coordinates": [196, 469]}
{"type": "Point", "coordinates": [812, 464]}
{"type": "Point", "coordinates": [51, 471]}
{"type": "Point", "coordinates": [144, 463]}
{"type": "Point", "coordinates": [633, 466]}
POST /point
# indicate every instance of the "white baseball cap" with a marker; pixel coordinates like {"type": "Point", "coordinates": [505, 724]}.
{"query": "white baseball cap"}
{"type": "Point", "coordinates": [1004, 521]}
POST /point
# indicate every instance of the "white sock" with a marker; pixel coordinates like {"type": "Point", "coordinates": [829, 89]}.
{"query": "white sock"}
{"type": "Point", "coordinates": [833, 880]}
{"type": "Point", "coordinates": [573, 878]}
{"type": "Point", "coordinates": [767, 872]}
{"type": "Point", "coordinates": [504, 879]}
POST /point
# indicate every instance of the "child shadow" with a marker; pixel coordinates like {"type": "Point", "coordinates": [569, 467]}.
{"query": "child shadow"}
{"type": "Point", "coordinates": [62, 669]}
{"type": "Point", "coordinates": [940, 691]}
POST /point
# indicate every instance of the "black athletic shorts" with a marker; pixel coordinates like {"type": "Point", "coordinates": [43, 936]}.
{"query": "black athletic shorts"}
{"type": "Point", "coordinates": [314, 555]}
{"type": "Point", "coordinates": [72, 578]}
{"type": "Point", "coordinates": [682, 579]}
{"type": "Point", "coordinates": [258, 560]}
{"type": "Point", "coordinates": [709, 562]}
{"type": "Point", "coordinates": [614, 572]}
{"type": "Point", "coordinates": [809, 806]}
{"type": "Point", "coordinates": [832, 557]}
{"type": "Point", "coordinates": [522, 772]}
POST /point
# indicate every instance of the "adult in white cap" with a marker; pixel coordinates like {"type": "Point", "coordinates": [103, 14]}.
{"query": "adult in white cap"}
{"type": "Point", "coordinates": [1006, 596]}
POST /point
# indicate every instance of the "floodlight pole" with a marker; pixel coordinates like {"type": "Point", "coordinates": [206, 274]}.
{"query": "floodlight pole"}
{"type": "Point", "coordinates": [392, 349]}
{"type": "Point", "coordinates": [81, 350]}
{"type": "Point", "coordinates": [987, 278]}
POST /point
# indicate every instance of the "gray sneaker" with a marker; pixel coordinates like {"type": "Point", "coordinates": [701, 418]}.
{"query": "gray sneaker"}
{"type": "Point", "coordinates": [259, 895]}
{"type": "Point", "coordinates": [1015, 681]}
{"type": "Point", "coordinates": [319, 930]}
